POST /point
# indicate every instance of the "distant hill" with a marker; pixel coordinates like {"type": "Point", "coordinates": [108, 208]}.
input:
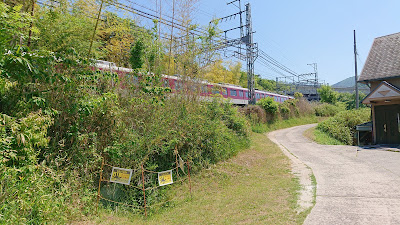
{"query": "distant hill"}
{"type": "Point", "coordinates": [349, 82]}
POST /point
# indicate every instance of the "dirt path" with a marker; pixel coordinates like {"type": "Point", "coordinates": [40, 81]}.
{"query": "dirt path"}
{"type": "Point", "coordinates": [354, 186]}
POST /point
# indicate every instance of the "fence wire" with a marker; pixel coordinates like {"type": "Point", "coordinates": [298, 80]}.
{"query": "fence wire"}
{"type": "Point", "coordinates": [106, 170]}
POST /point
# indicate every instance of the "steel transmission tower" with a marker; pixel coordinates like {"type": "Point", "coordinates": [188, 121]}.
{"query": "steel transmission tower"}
{"type": "Point", "coordinates": [251, 55]}
{"type": "Point", "coordinates": [244, 39]}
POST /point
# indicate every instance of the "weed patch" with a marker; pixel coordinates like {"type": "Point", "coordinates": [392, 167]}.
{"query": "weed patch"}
{"type": "Point", "coordinates": [254, 187]}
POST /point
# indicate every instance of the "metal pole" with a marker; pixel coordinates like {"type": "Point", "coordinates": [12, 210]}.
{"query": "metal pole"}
{"type": "Point", "coordinates": [144, 192]}
{"type": "Point", "coordinates": [356, 74]}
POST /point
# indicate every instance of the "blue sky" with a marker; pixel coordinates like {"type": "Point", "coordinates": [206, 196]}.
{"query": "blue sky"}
{"type": "Point", "coordinates": [297, 33]}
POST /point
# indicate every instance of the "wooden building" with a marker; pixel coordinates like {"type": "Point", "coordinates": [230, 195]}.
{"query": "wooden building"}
{"type": "Point", "coordinates": [381, 73]}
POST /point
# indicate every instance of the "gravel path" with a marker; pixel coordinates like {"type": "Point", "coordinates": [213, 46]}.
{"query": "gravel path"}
{"type": "Point", "coordinates": [354, 186]}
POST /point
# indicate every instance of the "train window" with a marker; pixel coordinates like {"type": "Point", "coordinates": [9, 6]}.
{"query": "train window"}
{"type": "Point", "coordinates": [233, 92]}
{"type": "Point", "coordinates": [135, 79]}
{"type": "Point", "coordinates": [275, 98]}
{"type": "Point", "coordinates": [240, 93]}
{"type": "Point", "coordinates": [258, 95]}
{"type": "Point", "coordinates": [215, 91]}
{"type": "Point", "coordinates": [178, 85]}
{"type": "Point", "coordinates": [203, 89]}
{"type": "Point", "coordinates": [166, 83]}
{"type": "Point", "coordinates": [224, 91]}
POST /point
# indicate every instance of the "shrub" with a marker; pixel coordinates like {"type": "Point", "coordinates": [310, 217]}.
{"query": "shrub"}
{"type": "Point", "coordinates": [342, 126]}
{"type": "Point", "coordinates": [326, 109]}
{"type": "Point", "coordinates": [270, 106]}
{"type": "Point", "coordinates": [305, 107]}
{"type": "Point", "coordinates": [254, 113]}
{"type": "Point", "coordinates": [284, 111]}
{"type": "Point", "coordinates": [298, 95]}
{"type": "Point", "coordinates": [289, 108]}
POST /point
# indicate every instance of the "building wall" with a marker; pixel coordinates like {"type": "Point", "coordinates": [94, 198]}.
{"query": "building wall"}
{"type": "Point", "coordinates": [374, 84]}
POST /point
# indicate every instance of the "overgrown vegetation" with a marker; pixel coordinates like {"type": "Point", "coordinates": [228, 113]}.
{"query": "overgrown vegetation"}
{"type": "Point", "coordinates": [321, 137]}
{"type": "Point", "coordinates": [60, 117]}
{"type": "Point", "coordinates": [341, 108]}
{"type": "Point", "coordinates": [270, 115]}
{"type": "Point", "coordinates": [342, 125]}
{"type": "Point", "coordinates": [254, 187]}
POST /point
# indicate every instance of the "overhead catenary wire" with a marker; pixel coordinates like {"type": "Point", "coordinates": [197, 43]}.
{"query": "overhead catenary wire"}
{"type": "Point", "coordinates": [265, 59]}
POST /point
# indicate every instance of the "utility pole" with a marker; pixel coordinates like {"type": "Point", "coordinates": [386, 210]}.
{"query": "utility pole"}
{"type": "Point", "coordinates": [355, 64]}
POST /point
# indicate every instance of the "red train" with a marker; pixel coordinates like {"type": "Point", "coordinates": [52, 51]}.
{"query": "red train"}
{"type": "Point", "coordinates": [237, 94]}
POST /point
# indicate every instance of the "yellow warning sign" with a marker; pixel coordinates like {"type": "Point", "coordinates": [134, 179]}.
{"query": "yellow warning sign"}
{"type": "Point", "coordinates": [165, 178]}
{"type": "Point", "coordinates": [121, 176]}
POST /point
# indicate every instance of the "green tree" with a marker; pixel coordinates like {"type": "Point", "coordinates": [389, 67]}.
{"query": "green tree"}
{"type": "Point", "coordinates": [265, 84]}
{"type": "Point", "coordinates": [218, 72]}
{"type": "Point", "coordinates": [349, 100]}
{"type": "Point", "coordinates": [67, 28]}
{"type": "Point", "coordinates": [137, 54]}
{"type": "Point", "coordinates": [14, 26]}
{"type": "Point", "coordinates": [298, 95]}
{"type": "Point", "coordinates": [327, 94]}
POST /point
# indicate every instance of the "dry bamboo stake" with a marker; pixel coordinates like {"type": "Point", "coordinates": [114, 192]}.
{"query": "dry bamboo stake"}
{"type": "Point", "coordinates": [100, 179]}
{"type": "Point", "coordinates": [95, 28]}
{"type": "Point", "coordinates": [144, 192]}
{"type": "Point", "coordinates": [176, 161]}
{"type": "Point", "coordinates": [31, 26]}
{"type": "Point", "coordinates": [172, 32]}
{"type": "Point", "coordinates": [190, 183]}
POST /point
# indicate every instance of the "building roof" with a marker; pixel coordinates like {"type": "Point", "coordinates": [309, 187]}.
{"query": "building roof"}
{"type": "Point", "coordinates": [383, 92]}
{"type": "Point", "coordinates": [383, 61]}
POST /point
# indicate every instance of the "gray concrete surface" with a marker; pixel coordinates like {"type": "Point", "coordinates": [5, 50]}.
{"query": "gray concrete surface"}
{"type": "Point", "coordinates": [354, 185]}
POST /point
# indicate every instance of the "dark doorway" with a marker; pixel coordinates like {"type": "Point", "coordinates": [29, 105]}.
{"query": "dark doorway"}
{"type": "Point", "coordinates": [387, 120]}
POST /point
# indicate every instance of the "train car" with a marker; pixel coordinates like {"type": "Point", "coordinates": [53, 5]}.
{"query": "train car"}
{"type": "Point", "coordinates": [238, 95]}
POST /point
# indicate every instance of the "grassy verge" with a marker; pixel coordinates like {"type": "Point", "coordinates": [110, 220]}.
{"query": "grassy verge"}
{"type": "Point", "coordinates": [254, 187]}
{"type": "Point", "coordinates": [321, 137]}
{"type": "Point", "coordinates": [281, 124]}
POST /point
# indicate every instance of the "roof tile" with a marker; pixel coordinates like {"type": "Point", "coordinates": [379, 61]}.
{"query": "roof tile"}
{"type": "Point", "coordinates": [383, 60]}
